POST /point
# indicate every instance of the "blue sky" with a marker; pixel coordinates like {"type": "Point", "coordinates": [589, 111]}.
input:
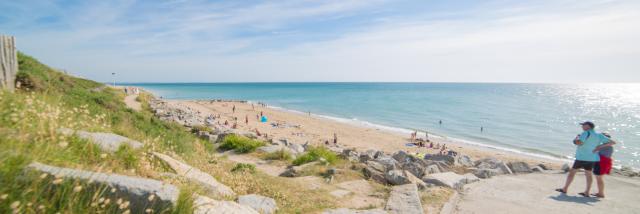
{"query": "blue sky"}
{"type": "Point", "coordinates": [332, 40]}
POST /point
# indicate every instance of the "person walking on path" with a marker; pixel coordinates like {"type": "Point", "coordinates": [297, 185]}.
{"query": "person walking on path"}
{"type": "Point", "coordinates": [586, 158]}
{"type": "Point", "coordinates": [603, 167]}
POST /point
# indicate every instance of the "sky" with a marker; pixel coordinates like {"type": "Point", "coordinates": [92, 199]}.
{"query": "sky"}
{"type": "Point", "coordinates": [567, 41]}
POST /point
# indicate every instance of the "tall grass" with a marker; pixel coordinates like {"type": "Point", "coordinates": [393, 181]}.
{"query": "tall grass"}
{"type": "Point", "coordinates": [315, 154]}
{"type": "Point", "coordinates": [48, 100]}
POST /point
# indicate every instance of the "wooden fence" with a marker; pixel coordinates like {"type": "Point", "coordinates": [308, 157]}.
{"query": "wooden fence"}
{"type": "Point", "coordinates": [8, 62]}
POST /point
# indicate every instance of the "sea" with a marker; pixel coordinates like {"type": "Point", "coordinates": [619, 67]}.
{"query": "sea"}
{"type": "Point", "coordinates": [531, 119]}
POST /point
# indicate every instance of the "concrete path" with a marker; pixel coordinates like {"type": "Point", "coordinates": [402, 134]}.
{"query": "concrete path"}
{"type": "Point", "coordinates": [131, 102]}
{"type": "Point", "coordinates": [534, 193]}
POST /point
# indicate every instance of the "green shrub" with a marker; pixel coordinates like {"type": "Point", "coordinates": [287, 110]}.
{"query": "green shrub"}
{"type": "Point", "coordinates": [244, 167]}
{"type": "Point", "coordinates": [314, 154]}
{"type": "Point", "coordinates": [240, 144]}
{"type": "Point", "coordinates": [281, 154]}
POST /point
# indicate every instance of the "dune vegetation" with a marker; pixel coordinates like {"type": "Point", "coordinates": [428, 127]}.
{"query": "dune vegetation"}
{"type": "Point", "coordinates": [48, 100]}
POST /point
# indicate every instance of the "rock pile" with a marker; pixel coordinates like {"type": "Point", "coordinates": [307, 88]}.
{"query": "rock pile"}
{"type": "Point", "coordinates": [181, 115]}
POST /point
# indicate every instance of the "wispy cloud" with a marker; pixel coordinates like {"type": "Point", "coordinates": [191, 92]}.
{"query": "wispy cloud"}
{"type": "Point", "coordinates": [334, 40]}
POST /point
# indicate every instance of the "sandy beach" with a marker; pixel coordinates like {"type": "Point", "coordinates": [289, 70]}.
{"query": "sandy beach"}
{"type": "Point", "coordinates": [301, 127]}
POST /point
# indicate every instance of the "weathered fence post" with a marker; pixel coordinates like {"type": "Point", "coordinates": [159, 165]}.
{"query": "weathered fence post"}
{"type": "Point", "coordinates": [8, 62]}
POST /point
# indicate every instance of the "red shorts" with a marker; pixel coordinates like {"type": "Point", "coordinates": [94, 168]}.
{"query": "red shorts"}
{"type": "Point", "coordinates": [604, 166]}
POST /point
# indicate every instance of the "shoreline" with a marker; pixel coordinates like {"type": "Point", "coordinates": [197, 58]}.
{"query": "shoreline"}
{"type": "Point", "coordinates": [390, 139]}
{"type": "Point", "coordinates": [559, 159]}
{"type": "Point", "coordinates": [432, 135]}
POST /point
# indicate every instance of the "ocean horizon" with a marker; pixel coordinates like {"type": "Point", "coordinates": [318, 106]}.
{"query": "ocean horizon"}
{"type": "Point", "coordinates": [537, 119]}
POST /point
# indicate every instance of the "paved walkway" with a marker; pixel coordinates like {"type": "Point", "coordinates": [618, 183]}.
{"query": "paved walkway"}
{"type": "Point", "coordinates": [534, 193]}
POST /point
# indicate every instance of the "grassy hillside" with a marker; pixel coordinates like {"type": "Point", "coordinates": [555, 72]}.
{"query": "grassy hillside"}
{"type": "Point", "coordinates": [48, 100]}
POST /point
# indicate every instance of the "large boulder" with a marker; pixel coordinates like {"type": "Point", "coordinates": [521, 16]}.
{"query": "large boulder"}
{"type": "Point", "coordinates": [136, 190]}
{"type": "Point", "coordinates": [465, 161]}
{"type": "Point", "coordinates": [367, 156]}
{"type": "Point", "coordinates": [375, 171]}
{"type": "Point", "coordinates": [519, 167]}
{"type": "Point", "coordinates": [431, 169]}
{"type": "Point", "coordinates": [404, 199]}
{"type": "Point", "coordinates": [204, 205]}
{"type": "Point", "coordinates": [417, 168]}
{"type": "Point", "coordinates": [378, 154]}
{"type": "Point", "coordinates": [205, 180]}
{"type": "Point", "coordinates": [396, 177]}
{"type": "Point", "coordinates": [470, 178]}
{"type": "Point", "coordinates": [259, 203]}
{"type": "Point", "coordinates": [492, 163]}
{"type": "Point", "coordinates": [401, 156]}
{"type": "Point", "coordinates": [447, 159]}
{"type": "Point", "coordinates": [350, 154]}
{"type": "Point", "coordinates": [106, 141]}
{"type": "Point", "coordinates": [446, 179]}
{"type": "Point", "coordinates": [388, 162]}
{"type": "Point", "coordinates": [485, 173]}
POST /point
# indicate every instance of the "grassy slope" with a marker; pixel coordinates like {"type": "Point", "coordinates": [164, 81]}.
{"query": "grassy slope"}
{"type": "Point", "coordinates": [48, 100]}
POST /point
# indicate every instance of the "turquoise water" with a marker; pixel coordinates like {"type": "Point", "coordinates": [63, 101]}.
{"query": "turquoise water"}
{"type": "Point", "coordinates": [539, 119]}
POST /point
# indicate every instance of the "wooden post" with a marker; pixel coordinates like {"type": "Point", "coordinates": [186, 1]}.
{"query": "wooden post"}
{"type": "Point", "coordinates": [8, 62]}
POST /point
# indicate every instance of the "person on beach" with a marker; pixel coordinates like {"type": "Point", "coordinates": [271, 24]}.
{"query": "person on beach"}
{"type": "Point", "coordinates": [586, 156]}
{"type": "Point", "coordinates": [440, 122]}
{"type": "Point", "coordinates": [233, 110]}
{"type": "Point", "coordinates": [246, 119]}
{"type": "Point", "coordinates": [603, 167]}
{"type": "Point", "coordinates": [335, 139]}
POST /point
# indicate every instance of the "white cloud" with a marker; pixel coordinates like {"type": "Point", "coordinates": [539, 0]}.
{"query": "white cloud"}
{"type": "Point", "coordinates": [551, 41]}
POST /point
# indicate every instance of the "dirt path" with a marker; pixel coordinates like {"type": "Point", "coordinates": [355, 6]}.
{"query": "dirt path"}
{"type": "Point", "coordinates": [261, 165]}
{"type": "Point", "coordinates": [534, 193]}
{"type": "Point", "coordinates": [131, 102]}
